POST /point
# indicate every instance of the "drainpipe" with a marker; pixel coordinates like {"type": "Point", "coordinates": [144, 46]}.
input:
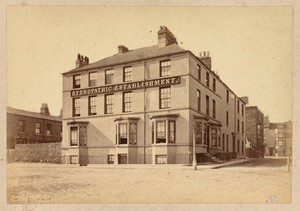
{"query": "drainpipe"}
{"type": "Point", "coordinates": [145, 113]}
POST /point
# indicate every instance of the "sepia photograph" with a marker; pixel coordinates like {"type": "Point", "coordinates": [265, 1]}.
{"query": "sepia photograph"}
{"type": "Point", "coordinates": [148, 105]}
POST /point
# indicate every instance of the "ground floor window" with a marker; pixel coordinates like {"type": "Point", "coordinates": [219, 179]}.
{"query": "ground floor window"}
{"type": "Point", "coordinates": [78, 135]}
{"type": "Point", "coordinates": [73, 159]}
{"type": "Point", "coordinates": [205, 134]}
{"type": "Point", "coordinates": [127, 133]}
{"type": "Point", "coordinates": [161, 159]}
{"type": "Point", "coordinates": [161, 132]}
{"type": "Point", "coordinates": [21, 141]}
{"type": "Point", "coordinates": [198, 132]}
{"type": "Point", "coordinates": [215, 135]}
{"type": "Point", "coordinates": [122, 158]}
{"type": "Point", "coordinates": [242, 147]}
{"type": "Point", "coordinates": [223, 142]}
{"type": "Point", "coordinates": [74, 138]}
{"type": "Point", "coordinates": [110, 159]}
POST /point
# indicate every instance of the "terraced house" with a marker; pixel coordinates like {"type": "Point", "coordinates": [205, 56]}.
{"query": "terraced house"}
{"type": "Point", "coordinates": [142, 106]}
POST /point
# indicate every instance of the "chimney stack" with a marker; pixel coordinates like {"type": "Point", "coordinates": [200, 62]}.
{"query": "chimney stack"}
{"type": "Point", "coordinates": [45, 109]}
{"type": "Point", "coordinates": [122, 49]}
{"type": "Point", "coordinates": [245, 99]}
{"type": "Point", "coordinates": [81, 61]}
{"type": "Point", "coordinates": [205, 58]}
{"type": "Point", "coordinates": [165, 37]}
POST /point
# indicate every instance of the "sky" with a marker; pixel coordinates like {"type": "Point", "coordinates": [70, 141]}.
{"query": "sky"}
{"type": "Point", "coordinates": [251, 47]}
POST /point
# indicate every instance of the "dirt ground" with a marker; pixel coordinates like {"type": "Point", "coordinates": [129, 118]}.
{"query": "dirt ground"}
{"type": "Point", "coordinates": [257, 181]}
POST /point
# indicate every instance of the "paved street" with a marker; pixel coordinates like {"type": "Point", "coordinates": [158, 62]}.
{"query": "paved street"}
{"type": "Point", "coordinates": [255, 181]}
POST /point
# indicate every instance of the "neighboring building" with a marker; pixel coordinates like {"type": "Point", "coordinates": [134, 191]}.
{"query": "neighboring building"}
{"type": "Point", "coordinates": [278, 138]}
{"type": "Point", "coordinates": [141, 107]}
{"type": "Point", "coordinates": [284, 138]}
{"type": "Point", "coordinates": [25, 127]}
{"type": "Point", "coordinates": [269, 137]}
{"type": "Point", "coordinates": [254, 132]}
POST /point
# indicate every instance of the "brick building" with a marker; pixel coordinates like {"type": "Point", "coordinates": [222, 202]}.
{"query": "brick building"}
{"type": "Point", "coordinates": [278, 138]}
{"type": "Point", "coordinates": [25, 127]}
{"type": "Point", "coordinates": [141, 107]}
{"type": "Point", "coordinates": [254, 132]}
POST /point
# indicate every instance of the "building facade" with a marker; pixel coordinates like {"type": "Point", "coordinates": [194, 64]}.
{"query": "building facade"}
{"type": "Point", "coordinates": [269, 137]}
{"type": "Point", "coordinates": [278, 138]}
{"type": "Point", "coordinates": [142, 107]}
{"type": "Point", "coordinates": [25, 127]}
{"type": "Point", "coordinates": [254, 132]}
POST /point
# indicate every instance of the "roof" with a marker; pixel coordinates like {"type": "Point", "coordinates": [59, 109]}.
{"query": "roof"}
{"type": "Point", "coordinates": [131, 56]}
{"type": "Point", "coordinates": [20, 112]}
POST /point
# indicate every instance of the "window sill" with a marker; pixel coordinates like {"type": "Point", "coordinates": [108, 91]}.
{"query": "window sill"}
{"type": "Point", "coordinates": [48, 135]}
{"type": "Point", "coordinates": [163, 144]}
{"type": "Point", "coordinates": [201, 145]}
{"type": "Point", "coordinates": [125, 145]}
{"type": "Point", "coordinates": [38, 134]}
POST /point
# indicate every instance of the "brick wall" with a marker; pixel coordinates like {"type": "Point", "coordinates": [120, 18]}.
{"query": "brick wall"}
{"type": "Point", "coordinates": [251, 125]}
{"type": "Point", "coordinates": [40, 152]}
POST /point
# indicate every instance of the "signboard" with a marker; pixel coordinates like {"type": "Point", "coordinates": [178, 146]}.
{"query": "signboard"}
{"type": "Point", "coordinates": [127, 86]}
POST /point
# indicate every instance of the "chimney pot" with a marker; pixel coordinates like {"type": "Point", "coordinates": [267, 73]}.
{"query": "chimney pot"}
{"type": "Point", "coordinates": [122, 49]}
{"type": "Point", "coordinates": [205, 58]}
{"type": "Point", "coordinates": [44, 109]}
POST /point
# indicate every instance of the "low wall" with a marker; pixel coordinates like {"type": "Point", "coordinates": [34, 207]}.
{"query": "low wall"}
{"type": "Point", "coordinates": [39, 152]}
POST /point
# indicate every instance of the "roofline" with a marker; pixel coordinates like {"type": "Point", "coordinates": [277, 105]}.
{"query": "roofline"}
{"type": "Point", "coordinates": [119, 63]}
{"type": "Point", "coordinates": [153, 57]}
{"type": "Point", "coordinates": [49, 117]}
{"type": "Point", "coordinates": [218, 77]}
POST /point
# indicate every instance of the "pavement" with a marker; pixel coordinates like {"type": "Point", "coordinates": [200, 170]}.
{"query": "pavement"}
{"type": "Point", "coordinates": [171, 166]}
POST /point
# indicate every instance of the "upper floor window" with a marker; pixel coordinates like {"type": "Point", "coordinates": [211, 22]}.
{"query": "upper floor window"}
{"type": "Point", "coordinates": [38, 128]}
{"type": "Point", "coordinates": [92, 105]}
{"type": "Point", "coordinates": [238, 106]}
{"type": "Point", "coordinates": [164, 97]}
{"type": "Point", "coordinates": [93, 79]}
{"type": "Point", "coordinates": [207, 79]}
{"type": "Point", "coordinates": [214, 109]}
{"type": "Point", "coordinates": [207, 105]}
{"type": "Point", "coordinates": [109, 76]}
{"type": "Point", "coordinates": [199, 72]}
{"type": "Point", "coordinates": [48, 129]}
{"type": "Point", "coordinates": [242, 127]}
{"type": "Point", "coordinates": [76, 106]}
{"type": "Point", "coordinates": [127, 101]}
{"type": "Point", "coordinates": [227, 118]}
{"type": "Point", "coordinates": [227, 96]}
{"type": "Point", "coordinates": [281, 143]}
{"type": "Point", "coordinates": [198, 100]}
{"type": "Point", "coordinates": [109, 103]}
{"type": "Point", "coordinates": [127, 74]}
{"type": "Point", "coordinates": [242, 109]}
{"type": "Point", "coordinates": [21, 125]}
{"type": "Point", "coordinates": [238, 125]}
{"type": "Point", "coordinates": [214, 85]}
{"type": "Point", "coordinates": [76, 81]}
{"type": "Point", "coordinates": [165, 68]}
